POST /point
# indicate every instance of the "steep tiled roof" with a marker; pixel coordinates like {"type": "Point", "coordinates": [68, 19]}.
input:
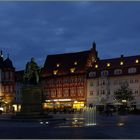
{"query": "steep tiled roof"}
{"type": "Point", "coordinates": [64, 62]}
{"type": "Point", "coordinates": [8, 63]}
{"type": "Point", "coordinates": [115, 62]}
{"type": "Point", "coordinates": [128, 62]}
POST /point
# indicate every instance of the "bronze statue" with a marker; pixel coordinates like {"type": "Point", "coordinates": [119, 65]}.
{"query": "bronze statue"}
{"type": "Point", "coordinates": [32, 72]}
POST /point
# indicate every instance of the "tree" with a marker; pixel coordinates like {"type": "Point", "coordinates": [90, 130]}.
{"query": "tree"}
{"type": "Point", "coordinates": [124, 93]}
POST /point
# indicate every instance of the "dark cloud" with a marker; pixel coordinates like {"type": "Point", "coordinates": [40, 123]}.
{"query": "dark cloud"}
{"type": "Point", "coordinates": [36, 29]}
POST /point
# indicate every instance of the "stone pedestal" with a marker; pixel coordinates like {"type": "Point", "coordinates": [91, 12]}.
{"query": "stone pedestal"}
{"type": "Point", "coordinates": [32, 99]}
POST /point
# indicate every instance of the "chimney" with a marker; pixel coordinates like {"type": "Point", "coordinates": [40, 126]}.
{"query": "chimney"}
{"type": "Point", "coordinates": [122, 56]}
{"type": "Point", "coordinates": [94, 45]}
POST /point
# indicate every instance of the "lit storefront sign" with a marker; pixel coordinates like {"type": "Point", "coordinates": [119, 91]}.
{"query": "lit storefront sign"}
{"type": "Point", "coordinates": [64, 103]}
{"type": "Point", "coordinates": [78, 105]}
{"type": "Point", "coordinates": [59, 100]}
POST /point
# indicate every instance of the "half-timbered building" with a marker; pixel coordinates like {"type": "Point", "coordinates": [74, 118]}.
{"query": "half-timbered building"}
{"type": "Point", "coordinates": [64, 78]}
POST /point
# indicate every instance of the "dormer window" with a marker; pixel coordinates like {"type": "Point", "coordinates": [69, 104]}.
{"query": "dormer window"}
{"type": "Point", "coordinates": [104, 73]}
{"type": "Point", "coordinates": [92, 74]}
{"type": "Point", "coordinates": [132, 70]}
{"type": "Point", "coordinates": [108, 64]}
{"type": "Point", "coordinates": [121, 63]}
{"type": "Point", "coordinates": [57, 65]}
{"type": "Point", "coordinates": [75, 63]}
{"type": "Point", "coordinates": [72, 70]}
{"type": "Point", "coordinates": [96, 66]}
{"type": "Point", "coordinates": [55, 72]}
{"type": "Point", "coordinates": [117, 71]}
{"type": "Point", "coordinates": [137, 61]}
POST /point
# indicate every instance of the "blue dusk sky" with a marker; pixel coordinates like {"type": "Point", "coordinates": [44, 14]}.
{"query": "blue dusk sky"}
{"type": "Point", "coordinates": [36, 29]}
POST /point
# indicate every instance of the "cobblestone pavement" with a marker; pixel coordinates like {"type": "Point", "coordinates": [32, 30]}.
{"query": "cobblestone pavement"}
{"type": "Point", "coordinates": [123, 127]}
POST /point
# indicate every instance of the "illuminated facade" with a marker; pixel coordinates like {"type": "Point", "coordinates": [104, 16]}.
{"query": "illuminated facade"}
{"type": "Point", "coordinates": [7, 84]}
{"type": "Point", "coordinates": [64, 78]}
{"type": "Point", "coordinates": [106, 76]}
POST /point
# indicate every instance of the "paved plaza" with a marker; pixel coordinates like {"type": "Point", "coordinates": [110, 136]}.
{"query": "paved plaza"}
{"type": "Point", "coordinates": [63, 127]}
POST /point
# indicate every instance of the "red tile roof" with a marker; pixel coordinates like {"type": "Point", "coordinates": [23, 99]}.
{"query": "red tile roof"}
{"type": "Point", "coordinates": [66, 62]}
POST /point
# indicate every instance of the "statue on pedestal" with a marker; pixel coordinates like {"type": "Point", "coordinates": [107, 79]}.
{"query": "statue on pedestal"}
{"type": "Point", "coordinates": [32, 72]}
{"type": "Point", "coordinates": [31, 90]}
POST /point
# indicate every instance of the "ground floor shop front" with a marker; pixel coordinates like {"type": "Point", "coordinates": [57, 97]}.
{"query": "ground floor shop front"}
{"type": "Point", "coordinates": [64, 103]}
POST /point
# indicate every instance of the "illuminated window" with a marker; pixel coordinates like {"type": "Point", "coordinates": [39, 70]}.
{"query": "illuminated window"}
{"type": "Point", "coordinates": [121, 63]}
{"type": "Point", "coordinates": [96, 66]}
{"type": "Point", "coordinates": [55, 72]}
{"type": "Point", "coordinates": [132, 70]}
{"type": "Point", "coordinates": [72, 70]}
{"type": "Point", "coordinates": [137, 61]}
{"type": "Point", "coordinates": [108, 64]}
{"type": "Point", "coordinates": [57, 65]}
{"type": "Point", "coordinates": [75, 63]}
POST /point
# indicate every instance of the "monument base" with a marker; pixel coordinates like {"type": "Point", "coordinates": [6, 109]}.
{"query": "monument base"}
{"type": "Point", "coordinates": [32, 99]}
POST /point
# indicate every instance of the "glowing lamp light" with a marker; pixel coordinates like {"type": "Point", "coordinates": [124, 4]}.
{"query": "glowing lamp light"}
{"type": "Point", "coordinates": [120, 124]}
{"type": "Point", "coordinates": [48, 100]}
{"type": "Point", "coordinates": [15, 107]}
{"type": "Point", "coordinates": [57, 65]}
{"type": "Point", "coordinates": [1, 108]}
{"type": "Point", "coordinates": [137, 61]}
{"type": "Point", "coordinates": [108, 64]}
{"type": "Point", "coordinates": [55, 72]}
{"type": "Point", "coordinates": [72, 70]}
{"type": "Point", "coordinates": [124, 101]}
{"type": "Point", "coordinates": [75, 63]}
{"type": "Point", "coordinates": [121, 63]}
{"type": "Point", "coordinates": [76, 120]}
{"type": "Point", "coordinates": [96, 66]}
{"type": "Point", "coordinates": [75, 101]}
{"type": "Point", "coordinates": [41, 122]}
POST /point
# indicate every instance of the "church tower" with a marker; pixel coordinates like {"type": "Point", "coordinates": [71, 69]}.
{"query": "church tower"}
{"type": "Point", "coordinates": [93, 55]}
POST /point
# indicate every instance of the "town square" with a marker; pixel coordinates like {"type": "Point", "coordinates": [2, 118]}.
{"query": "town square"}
{"type": "Point", "coordinates": [69, 70]}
